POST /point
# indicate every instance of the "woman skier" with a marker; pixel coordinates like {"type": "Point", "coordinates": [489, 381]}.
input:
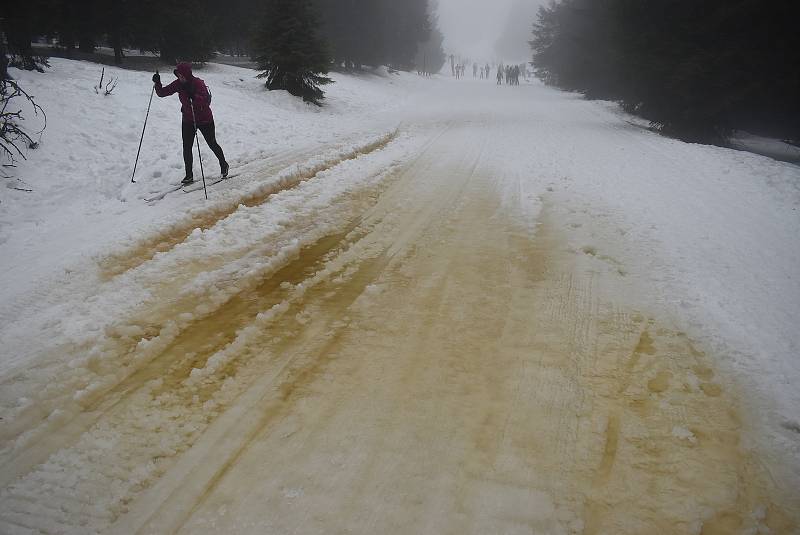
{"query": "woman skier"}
{"type": "Point", "coordinates": [196, 110]}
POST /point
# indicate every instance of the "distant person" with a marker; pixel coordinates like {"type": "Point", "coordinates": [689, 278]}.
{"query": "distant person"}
{"type": "Point", "coordinates": [196, 111]}
{"type": "Point", "coordinates": [500, 74]}
{"type": "Point", "coordinates": [474, 70]}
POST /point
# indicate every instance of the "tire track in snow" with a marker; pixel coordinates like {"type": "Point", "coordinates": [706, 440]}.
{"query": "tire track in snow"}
{"type": "Point", "coordinates": [285, 178]}
{"type": "Point", "coordinates": [528, 400]}
{"type": "Point", "coordinates": [115, 413]}
{"type": "Point", "coordinates": [187, 351]}
{"type": "Point", "coordinates": [156, 321]}
{"type": "Point", "coordinates": [126, 342]}
{"type": "Point", "coordinates": [660, 437]}
{"type": "Point", "coordinates": [126, 449]}
{"type": "Point", "coordinates": [305, 357]}
{"type": "Point", "coordinates": [129, 460]}
{"type": "Point", "coordinates": [94, 408]}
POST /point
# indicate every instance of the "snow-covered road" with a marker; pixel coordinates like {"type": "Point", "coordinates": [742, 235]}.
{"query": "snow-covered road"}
{"type": "Point", "coordinates": [517, 314]}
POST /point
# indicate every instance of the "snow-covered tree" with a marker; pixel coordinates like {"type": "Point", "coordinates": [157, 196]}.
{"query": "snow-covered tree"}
{"type": "Point", "coordinates": [289, 52]}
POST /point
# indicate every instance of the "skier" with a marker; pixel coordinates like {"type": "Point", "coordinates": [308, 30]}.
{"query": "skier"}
{"type": "Point", "coordinates": [196, 110]}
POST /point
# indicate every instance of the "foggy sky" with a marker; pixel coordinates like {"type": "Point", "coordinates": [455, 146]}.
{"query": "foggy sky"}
{"type": "Point", "coordinates": [473, 27]}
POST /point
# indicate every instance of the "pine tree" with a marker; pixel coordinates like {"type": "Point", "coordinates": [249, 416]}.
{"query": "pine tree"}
{"type": "Point", "coordinates": [20, 22]}
{"type": "Point", "coordinates": [289, 51]}
{"type": "Point", "coordinates": [430, 52]}
{"type": "Point", "coordinates": [407, 25]}
{"type": "Point", "coordinates": [185, 30]}
{"type": "Point", "coordinates": [234, 28]}
{"type": "Point", "coordinates": [696, 70]}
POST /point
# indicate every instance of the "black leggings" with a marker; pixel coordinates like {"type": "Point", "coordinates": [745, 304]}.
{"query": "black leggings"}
{"type": "Point", "coordinates": [188, 140]}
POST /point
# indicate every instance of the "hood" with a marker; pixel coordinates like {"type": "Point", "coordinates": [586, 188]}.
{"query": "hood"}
{"type": "Point", "coordinates": [185, 69]}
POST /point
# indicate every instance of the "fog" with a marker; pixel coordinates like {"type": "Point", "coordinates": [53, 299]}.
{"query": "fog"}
{"type": "Point", "coordinates": [486, 30]}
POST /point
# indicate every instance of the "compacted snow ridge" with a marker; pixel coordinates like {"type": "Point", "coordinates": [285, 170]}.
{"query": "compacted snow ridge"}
{"type": "Point", "coordinates": [431, 306]}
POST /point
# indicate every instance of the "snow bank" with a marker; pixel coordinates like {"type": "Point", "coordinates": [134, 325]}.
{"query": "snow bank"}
{"type": "Point", "coordinates": [774, 148]}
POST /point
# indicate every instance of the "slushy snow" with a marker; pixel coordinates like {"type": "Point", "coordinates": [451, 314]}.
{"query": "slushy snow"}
{"type": "Point", "coordinates": [711, 234]}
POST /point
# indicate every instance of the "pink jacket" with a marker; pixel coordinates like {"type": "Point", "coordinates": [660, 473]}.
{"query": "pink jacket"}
{"type": "Point", "coordinates": [201, 97]}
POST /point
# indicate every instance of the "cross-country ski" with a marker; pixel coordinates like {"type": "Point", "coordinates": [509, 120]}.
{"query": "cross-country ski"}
{"type": "Point", "coordinates": [160, 195]}
{"type": "Point", "coordinates": [214, 181]}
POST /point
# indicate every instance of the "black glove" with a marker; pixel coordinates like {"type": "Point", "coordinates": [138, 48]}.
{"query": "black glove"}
{"type": "Point", "coordinates": [189, 87]}
{"type": "Point", "coordinates": [157, 79]}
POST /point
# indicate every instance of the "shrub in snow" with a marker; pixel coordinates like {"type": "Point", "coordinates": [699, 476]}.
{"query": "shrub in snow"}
{"type": "Point", "coordinates": [111, 84]}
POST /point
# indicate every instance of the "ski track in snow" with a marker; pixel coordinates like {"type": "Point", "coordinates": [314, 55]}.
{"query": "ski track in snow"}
{"type": "Point", "coordinates": [516, 313]}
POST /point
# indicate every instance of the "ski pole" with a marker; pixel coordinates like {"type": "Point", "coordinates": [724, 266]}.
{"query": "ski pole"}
{"type": "Point", "coordinates": [140, 141]}
{"type": "Point", "coordinates": [199, 156]}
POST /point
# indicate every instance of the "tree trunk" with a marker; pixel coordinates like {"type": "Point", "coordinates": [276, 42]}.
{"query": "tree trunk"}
{"type": "Point", "coordinates": [87, 45]}
{"type": "Point", "coordinates": [3, 60]}
{"type": "Point", "coordinates": [116, 42]}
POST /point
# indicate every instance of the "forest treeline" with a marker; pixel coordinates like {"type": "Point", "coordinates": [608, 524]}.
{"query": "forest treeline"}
{"type": "Point", "coordinates": [696, 70]}
{"type": "Point", "coordinates": [354, 32]}
{"type": "Point", "coordinates": [294, 42]}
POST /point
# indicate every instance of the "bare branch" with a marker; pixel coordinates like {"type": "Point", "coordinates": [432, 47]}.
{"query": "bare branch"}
{"type": "Point", "coordinates": [12, 134]}
{"type": "Point", "coordinates": [111, 85]}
